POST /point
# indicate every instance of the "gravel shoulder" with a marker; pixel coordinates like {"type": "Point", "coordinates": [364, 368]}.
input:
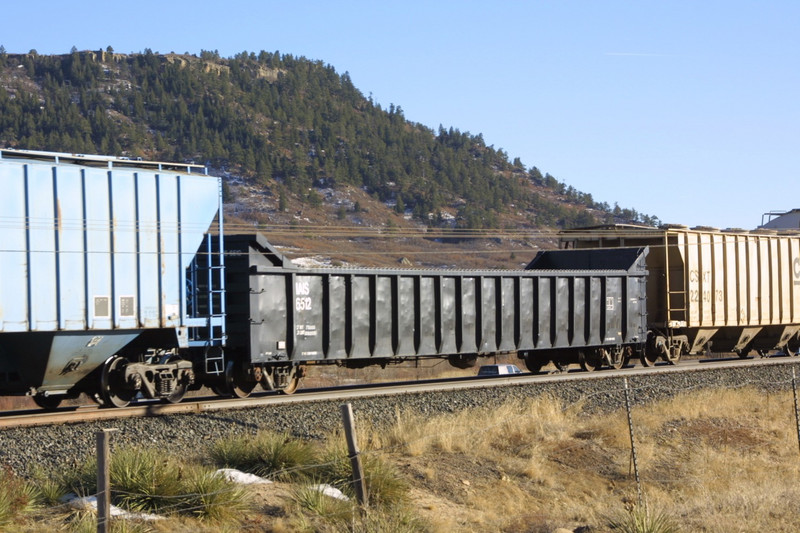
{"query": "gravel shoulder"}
{"type": "Point", "coordinates": [63, 447]}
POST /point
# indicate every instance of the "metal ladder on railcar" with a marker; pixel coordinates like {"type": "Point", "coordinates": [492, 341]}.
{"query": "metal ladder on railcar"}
{"type": "Point", "coordinates": [676, 296]}
{"type": "Point", "coordinates": [206, 301]}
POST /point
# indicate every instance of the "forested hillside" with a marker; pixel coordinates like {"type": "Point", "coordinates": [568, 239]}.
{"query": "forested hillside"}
{"type": "Point", "coordinates": [284, 123]}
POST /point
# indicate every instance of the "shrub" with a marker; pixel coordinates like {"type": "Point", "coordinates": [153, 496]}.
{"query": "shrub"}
{"type": "Point", "coordinates": [81, 481]}
{"type": "Point", "coordinates": [145, 481]}
{"type": "Point", "coordinates": [233, 452]}
{"type": "Point", "coordinates": [211, 496]}
{"type": "Point", "coordinates": [274, 455]}
{"type": "Point", "coordinates": [309, 498]}
{"type": "Point", "coordinates": [17, 496]}
{"type": "Point", "coordinates": [86, 522]}
{"type": "Point", "coordinates": [49, 489]}
{"type": "Point", "coordinates": [641, 519]}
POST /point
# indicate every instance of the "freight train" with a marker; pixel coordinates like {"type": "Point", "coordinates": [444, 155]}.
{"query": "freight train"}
{"type": "Point", "coordinates": [118, 280]}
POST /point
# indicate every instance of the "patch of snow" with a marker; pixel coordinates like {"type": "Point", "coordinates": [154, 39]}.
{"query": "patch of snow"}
{"type": "Point", "coordinates": [312, 262]}
{"type": "Point", "coordinates": [89, 503]}
{"type": "Point", "coordinates": [333, 492]}
{"type": "Point", "coordinates": [242, 478]}
{"type": "Point", "coordinates": [318, 261]}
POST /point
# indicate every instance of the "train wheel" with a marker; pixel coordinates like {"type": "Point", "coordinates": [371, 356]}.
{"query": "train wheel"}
{"type": "Point", "coordinates": [462, 361]}
{"type": "Point", "coordinates": [617, 358]}
{"type": "Point", "coordinates": [219, 390]}
{"type": "Point", "coordinates": [293, 381]}
{"type": "Point", "coordinates": [534, 363]}
{"type": "Point", "coordinates": [180, 386]}
{"type": "Point", "coordinates": [653, 350]}
{"type": "Point", "coordinates": [674, 354]}
{"type": "Point", "coordinates": [587, 361]}
{"type": "Point", "coordinates": [177, 394]}
{"type": "Point", "coordinates": [561, 366]}
{"type": "Point", "coordinates": [112, 383]}
{"type": "Point", "coordinates": [47, 402]}
{"type": "Point", "coordinates": [649, 358]}
{"type": "Point", "coordinates": [238, 383]}
{"type": "Point", "coordinates": [674, 357]}
{"type": "Point", "coordinates": [793, 346]}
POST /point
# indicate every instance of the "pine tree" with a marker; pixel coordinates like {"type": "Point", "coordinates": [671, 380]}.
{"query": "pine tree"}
{"type": "Point", "coordinates": [270, 117]}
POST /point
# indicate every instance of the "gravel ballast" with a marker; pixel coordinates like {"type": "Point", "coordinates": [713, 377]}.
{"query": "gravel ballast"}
{"type": "Point", "coordinates": [65, 446]}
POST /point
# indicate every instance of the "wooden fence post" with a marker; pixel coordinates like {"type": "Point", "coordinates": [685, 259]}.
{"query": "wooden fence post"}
{"type": "Point", "coordinates": [633, 443]}
{"type": "Point", "coordinates": [103, 481]}
{"type": "Point", "coordinates": [359, 484]}
{"type": "Point", "coordinates": [796, 408]}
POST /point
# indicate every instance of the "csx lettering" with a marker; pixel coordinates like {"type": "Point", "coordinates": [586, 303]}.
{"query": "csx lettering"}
{"type": "Point", "coordinates": [695, 276]}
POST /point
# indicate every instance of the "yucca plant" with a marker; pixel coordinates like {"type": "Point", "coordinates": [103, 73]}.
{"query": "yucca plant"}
{"type": "Point", "coordinates": [210, 495]}
{"type": "Point", "coordinates": [234, 451]}
{"type": "Point", "coordinates": [7, 510]}
{"type": "Point", "coordinates": [274, 455]}
{"type": "Point", "coordinates": [309, 498]}
{"type": "Point", "coordinates": [282, 457]}
{"type": "Point", "coordinates": [49, 487]}
{"type": "Point", "coordinates": [144, 480]}
{"type": "Point", "coordinates": [17, 496]}
{"type": "Point", "coordinates": [642, 519]}
{"type": "Point", "coordinates": [81, 480]}
{"type": "Point", "coordinates": [86, 522]}
{"type": "Point", "coordinates": [398, 519]}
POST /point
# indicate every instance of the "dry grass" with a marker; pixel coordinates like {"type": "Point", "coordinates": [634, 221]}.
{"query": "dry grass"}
{"type": "Point", "coordinates": [712, 461]}
{"type": "Point", "coordinates": [507, 429]}
{"type": "Point", "coordinates": [709, 461]}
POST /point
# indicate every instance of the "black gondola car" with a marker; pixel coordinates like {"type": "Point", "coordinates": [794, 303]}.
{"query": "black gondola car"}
{"type": "Point", "coordinates": [565, 307]}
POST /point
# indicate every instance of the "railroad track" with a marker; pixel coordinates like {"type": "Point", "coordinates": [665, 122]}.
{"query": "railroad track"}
{"type": "Point", "coordinates": [211, 404]}
{"type": "Point", "coordinates": [315, 414]}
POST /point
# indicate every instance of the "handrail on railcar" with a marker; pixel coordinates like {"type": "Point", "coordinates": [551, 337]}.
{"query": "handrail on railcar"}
{"type": "Point", "coordinates": [100, 160]}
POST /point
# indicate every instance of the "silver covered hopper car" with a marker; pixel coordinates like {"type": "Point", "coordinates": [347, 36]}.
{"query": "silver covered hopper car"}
{"type": "Point", "coordinates": [97, 255]}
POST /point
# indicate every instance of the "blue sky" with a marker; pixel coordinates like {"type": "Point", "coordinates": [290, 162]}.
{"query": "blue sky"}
{"type": "Point", "coordinates": [686, 110]}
